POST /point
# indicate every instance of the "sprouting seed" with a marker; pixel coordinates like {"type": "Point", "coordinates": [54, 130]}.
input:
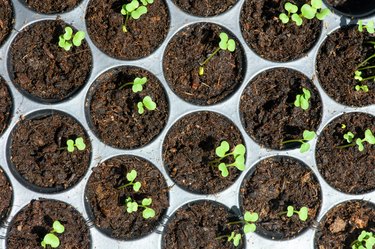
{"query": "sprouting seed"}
{"type": "Point", "coordinates": [67, 40]}
{"type": "Point", "coordinates": [79, 143]}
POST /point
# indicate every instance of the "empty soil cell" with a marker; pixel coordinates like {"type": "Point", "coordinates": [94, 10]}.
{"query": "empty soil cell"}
{"type": "Point", "coordinates": [352, 8]}
{"type": "Point", "coordinates": [5, 105]}
{"type": "Point", "coordinates": [30, 225]}
{"type": "Point", "coordinates": [275, 184]}
{"type": "Point", "coordinates": [338, 58]}
{"type": "Point", "coordinates": [190, 47]}
{"type": "Point", "coordinates": [199, 224]}
{"type": "Point", "coordinates": [344, 223]}
{"type": "Point", "coordinates": [267, 108]}
{"type": "Point", "coordinates": [190, 146]}
{"type": "Point", "coordinates": [105, 199]}
{"type": "Point", "coordinates": [51, 6]}
{"type": "Point", "coordinates": [38, 152]}
{"type": "Point", "coordinates": [6, 19]}
{"type": "Point", "coordinates": [42, 70]}
{"type": "Point", "coordinates": [205, 7]}
{"type": "Point", "coordinates": [6, 196]}
{"type": "Point", "coordinates": [105, 22]}
{"type": "Point", "coordinates": [113, 111]}
{"type": "Point", "coordinates": [347, 169]}
{"type": "Point", "coordinates": [270, 38]}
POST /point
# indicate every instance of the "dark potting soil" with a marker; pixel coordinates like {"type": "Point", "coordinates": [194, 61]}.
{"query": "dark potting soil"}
{"type": "Point", "coordinates": [104, 23]}
{"type": "Point", "coordinates": [189, 147]}
{"type": "Point", "coordinates": [344, 223]}
{"type": "Point", "coordinates": [223, 74]}
{"type": "Point", "coordinates": [35, 220]}
{"type": "Point", "coordinates": [114, 113]}
{"type": "Point", "coordinates": [205, 7]}
{"type": "Point", "coordinates": [52, 6]}
{"type": "Point", "coordinates": [6, 196]}
{"type": "Point", "coordinates": [268, 112]}
{"type": "Point", "coordinates": [337, 61]}
{"type": "Point", "coordinates": [5, 105]}
{"type": "Point", "coordinates": [6, 19]}
{"type": "Point", "coordinates": [38, 151]}
{"type": "Point", "coordinates": [270, 38]}
{"type": "Point", "coordinates": [40, 68]}
{"type": "Point", "coordinates": [276, 183]}
{"type": "Point", "coordinates": [107, 202]}
{"type": "Point", "coordinates": [347, 169]}
{"type": "Point", "coordinates": [198, 225]}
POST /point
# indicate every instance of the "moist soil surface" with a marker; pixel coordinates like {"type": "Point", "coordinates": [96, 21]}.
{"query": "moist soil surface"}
{"type": "Point", "coordinates": [114, 113]}
{"type": "Point", "coordinates": [347, 169]}
{"type": "Point", "coordinates": [277, 183]}
{"type": "Point", "coordinates": [190, 146]}
{"type": "Point", "coordinates": [104, 23]}
{"type": "Point", "coordinates": [205, 7]}
{"type": "Point", "coordinates": [39, 156]}
{"type": "Point", "coordinates": [268, 112]}
{"type": "Point", "coordinates": [52, 6]}
{"type": "Point", "coordinates": [35, 220]}
{"type": "Point", "coordinates": [223, 74]}
{"type": "Point", "coordinates": [198, 225]}
{"type": "Point", "coordinates": [337, 61]}
{"type": "Point", "coordinates": [344, 223]}
{"type": "Point", "coordinates": [6, 19]}
{"type": "Point", "coordinates": [5, 105]}
{"type": "Point", "coordinates": [43, 70]}
{"type": "Point", "coordinates": [6, 196]}
{"type": "Point", "coordinates": [270, 38]}
{"type": "Point", "coordinates": [107, 202]}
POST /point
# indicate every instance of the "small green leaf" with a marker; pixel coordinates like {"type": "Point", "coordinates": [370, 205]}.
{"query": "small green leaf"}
{"type": "Point", "coordinates": [370, 27]}
{"type": "Point", "coordinates": [369, 137]}
{"type": "Point", "coordinates": [148, 213]}
{"type": "Point", "coordinates": [240, 162]}
{"type": "Point", "coordinates": [370, 243]}
{"type": "Point", "coordinates": [304, 147]}
{"type": "Point", "coordinates": [360, 144]}
{"type": "Point", "coordinates": [303, 213]}
{"type": "Point", "coordinates": [223, 44]}
{"type": "Point", "coordinates": [132, 6]}
{"type": "Point", "coordinates": [249, 228]}
{"type": "Point", "coordinates": [141, 110]}
{"type": "Point", "coordinates": [131, 207]}
{"type": "Point", "coordinates": [80, 144]}
{"type": "Point", "coordinates": [358, 75]}
{"type": "Point", "coordinates": [231, 45]}
{"type": "Point", "coordinates": [148, 103]}
{"type": "Point", "coordinates": [237, 240]}
{"type": "Point", "coordinates": [291, 8]}
{"type": "Point", "coordinates": [131, 175]}
{"type": "Point", "coordinates": [58, 227]}
{"type": "Point", "coordinates": [362, 236]}
{"type": "Point", "coordinates": [223, 169]}
{"type": "Point", "coordinates": [349, 137]}
{"type": "Point", "coordinates": [68, 33]}
{"type": "Point", "coordinates": [70, 144]}
{"type": "Point", "coordinates": [297, 19]}
{"type": "Point", "coordinates": [251, 217]}
{"type": "Point", "coordinates": [146, 201]}
{"type": "Point", "coordinates": [360, 25]}
{"type": "Point", "coordinates": [123, 10]}
{"type": "Point", "coordinates": [240, 149]}
{"type": "Point", "coordinates": [231, 237]}
{"type": "Point", "coordinates": [304, 104]}
{"type": "Point", "coordinates": [308, 135]}
{"type": "Point", "coordinates": [284, 18]}
{"type": "Point", "coordinates": [137, 84]}
{"type": "Point", "coordinates": [222, 149]}
{"type": "Point", "coordinates": [322, 14]}
{"type": "Point", "coordinates": [290, 211]}
{"type": "Point", "coordinates": [297, 102]}
{"type": "Point", "coordinates": [52, 240]}
{"type": "Point", "coordinates": [136, 14]}
{"type": "Point", "coordinates": [78, 38]}
{"type": "Point", "coordinates": [308, 12]}
{"type": "Point", "coordinates": [306, 93]}
{"type": "Point", "coordinates": [137, 186]}
{"type": "Point", "coordinates": [317, 4]}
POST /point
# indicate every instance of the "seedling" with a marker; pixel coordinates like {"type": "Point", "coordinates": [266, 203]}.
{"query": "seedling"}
{"type": "Point", "coordinates": [146, 103]}
{"type": "Point", "coordinates": [50, 238]}
{"type": "Point", "coordinates": [67, 40]}
{"type": "Point", "coordinates": [349, 137]}
{"type": "Point", "coordinates": [302, 213]}
{"type": "Point", "coordinates": [79, 143]}
{"type": "Point", "coordinates": [137, 84]}
{"type": "Point", "coordinates": [369, 26]}
{"type": "Point", "coordinates": [134, 10]}
{"type": "Point", "coordinates": [238, 155]}
{"type": "Point", "coordinates": [132, 206]}
{"type": "Point", "coordinates": [224, 44]}
{"type": "Point", "coordinates": [363, 88]}
{"type": "Point", "coordinates": [131, 177]}
{"type": "Point", "coordinates": [366, 240]}
{"type": "Point", "coordinates": [307, 136]}
{"type": "Point", "coordinates": [307, 11]}
{"type": "Point", "coordinates": [302, 100]}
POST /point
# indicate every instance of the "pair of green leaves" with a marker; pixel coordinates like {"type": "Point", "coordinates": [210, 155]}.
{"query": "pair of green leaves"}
{"type": "Point", "coordinates": [349, 137]}
{"type": "Point", "coordinates": [369, 27]}
{"type": "Point", "coordinates": [238, 154]}
{"type": "Point", "coordinates": [249, 219]}
{"type": "Point", "coordinates": [306, 137]}
{"type": "Point", "coordinates": [147, 103]}
{"type": "Point", "coordinates": [363, 88]}
{"type": "Point", "coordinates": [132, 206]}
{"type": "Point", "coordinates": [226, 43]}
{"type": "Point", "coordinates": [302, 213]}
{"type": "Point", "coordinates": [135, 9]}
{"type": "Point", "coordinates": [131, 177]}
{"type": "Point", "coordinates": [50, 238]}
{"type": "Point", "coordinates": [79, 143]}
{"type": "Point", "coordinates": [366, 240]}
{"type": "Point", "coordinates": [137, 84]}
{"type": "Point", "coordinates": [67, 40]}
{"type": "Point", "coordinates": [302, 100]}
{"type": "Point", "coordinates": [235, 238]}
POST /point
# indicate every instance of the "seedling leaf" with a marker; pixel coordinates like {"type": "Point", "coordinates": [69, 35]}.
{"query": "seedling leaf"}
{"type": "Point", "coordinates": [148, 103]}
{"type": "Point", "coordinates": [223, 169]}
{"type": "Point", "coordinates": [284, 18]}
{"type": "Point", "coordinates": [251, 217]}
{"type": "Point", "coordinates": [359, 142]}
{"type": "Point", "coordinates": [231, 45]}
{"type": "Point", "coordinates": [137, 84]}
{"type": "Point", "coordinates": [304, 147]}
{"type": "Point", "coordinates": [291, 8]}
{"type": "Point", "coordinates": [146, 201]}
{"type": "Point", "coordinates": [240, 162]}
{"type": "Point", "coordinates": [308, 135]}
{"type": "Point", "coordinates": [51, 239]}
{"type": "Point", "coordinates": [137, 186]}
{"type": "Point", "coordinates": [297, 19]}
{"type": "Point", "coordinates": [68, 33]}
{"type": "Point", "coordinates": [317, 4]}
{"type": "Point", "coordinates": [136, 14]}
{"type": "Point", "coordinates": [290, 211]}
{"type": "Point", "coordinates": [58, 227]}
{"type": "Point", "coordinates": [369, 137]}
{"type": "Point", "coordinates": [132, 6]}
{"type": "Point", "coordinates": [78, 38]}
{"type": "Point", "coordinates": [141, 110]}
{"type": "Point", "coordinates": [223, 44]}
{"type": "Point", "coordinates": [236, 240]}
{"type": "Point", "coordinates": [303, 213]}
{"type": "Point", "coordinates": [222, 149]}
{"type": "Point", "coordinates": [240, 149]}
{"type": "Point", "coordinates": [131, 175]}
{"type": "Point", "coordinates": [80, 144]}
{"type": "Point", "coordinates": [370, 27]}
{"type": "Point", "coordinates": [148, 213]}
{"type": "Point", "coordinates": [322, 14]}
{"type": "Point", "coordinates": [132, 207]}
{"type": "Point", "coordinates": [70, 145]}
{"type": "Point", "coordinates": [308, 12]}
{"type": "Point", "coordinates": [249, 228]}
{"type": "Point", "coordinates": [349, 137]}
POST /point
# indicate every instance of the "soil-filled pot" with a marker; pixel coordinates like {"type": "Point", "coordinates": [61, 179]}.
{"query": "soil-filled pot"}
{"type": "Point", "coordinates": [51, 6]}
{"type": "Point", "coordinates": [6, 19]}
{"type": "Point", "coordinates": [6, 196]}
{"type": "Point", "coordinates": [205, 8]}
{"type": "Point", "coordinates": [352, 8]}
{"type": "Point", "coordinates": [6, 105]}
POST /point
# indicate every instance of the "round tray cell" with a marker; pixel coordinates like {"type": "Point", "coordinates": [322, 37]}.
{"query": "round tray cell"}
{"type": "Point", "coordinates": [6, 105]}
{"type": "Point", "coordinates": [270, 38]}
{"type": "Point", "coordinates": [6, 196]}
{"type": "Point", "coordinates": [106, 197]}
{"type": "Point", "coordinates": [112, 110]}
{"type": "Point", "coordinates": [38, 153]}
{"type": "Point", "coordinates": [105, 24]}
{"type": "Point", "coordinates": [28, 228]}
{"type": "Point", "coordinates": [342, 225]}
{"type": "Point", "coordinates": [199, 224]}
{"type": "Point", "coordinates": [273, 185]}
{"type": "Point", "coordinates": [190, 48]}
{"type": "Point", "coordinates": [51, 6]}
{"type": "Point", "coordinates": [205, 8]}
{"type": "Point", "coordinates": [189, 152]}
{"type": "Point", "coordinates": [41, 69]}
{"type": "Point", "coordinates": [352, 8]}
{"type": "Point", "coordinates": [338, 59]}
{"type": "Point", "coordinates": [268, 112]}
{"type": "Point", "coordinates": [6, 19]}
{"type": "Point", "coordinates": [341, 163]}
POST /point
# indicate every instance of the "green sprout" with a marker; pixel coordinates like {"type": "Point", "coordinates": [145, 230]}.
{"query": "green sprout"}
{"type": "Point", "coordinates": [132, 206]}
{"type": "Point", "coordinates": [50, 238]}
{"type": "Point", "coordinates": [131, 177]}
{"type": "Point", "coordinates": [79, 143]}
{"type": "Point", "coordinates": [349, 137]}
{"type": "Point", "coordinates": [369, 26]}
{"type": "Point", "coordinates": [302, 213]}
{"type": "Point", "coordinates": [224, 44]}
{"type": "Point", "coordinates": [363, 88]}
{"type": "Point", "coordinates": [307, 136]}
{"type": "Point", "coordinates": [238, 154]}
{"type": "Point", "coordinates": [146, 102]}
{"type": "Point", "coordinates": [67, 40]}
{"type": "Point", "coordinates": [134, 10]}
{"type": "Point", "coordinates": [366, 240]}
{"type": "Point", "coordinates": [137, 84]}
{"type": "Point", "coordinates": [302, 100]}
{"type": "Point", "coordinates": [307, 11]}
